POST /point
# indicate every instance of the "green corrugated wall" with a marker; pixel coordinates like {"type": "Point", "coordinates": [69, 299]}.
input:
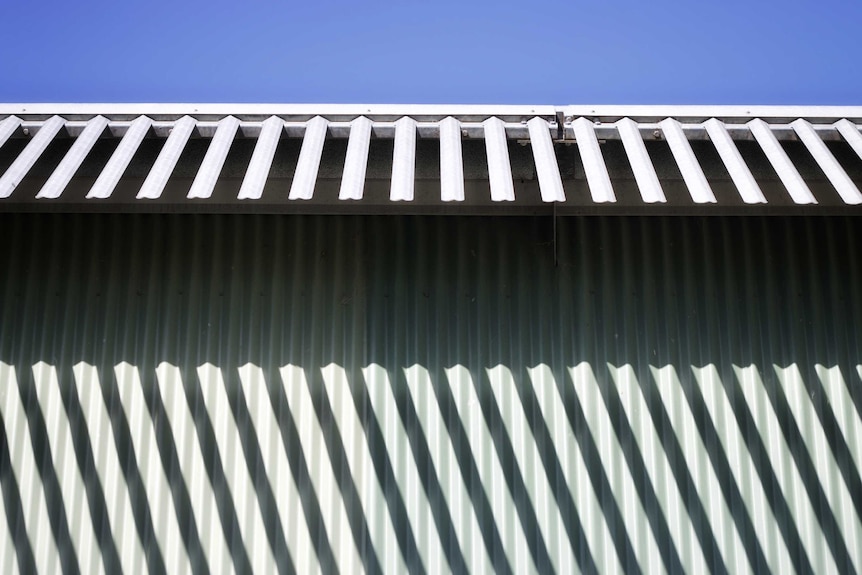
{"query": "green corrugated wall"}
{"type": "Point", "coordinates": [430, 393]}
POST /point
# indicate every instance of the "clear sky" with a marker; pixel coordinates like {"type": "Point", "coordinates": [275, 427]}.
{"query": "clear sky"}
{"type": "Point", "coordinates": [540, 52]}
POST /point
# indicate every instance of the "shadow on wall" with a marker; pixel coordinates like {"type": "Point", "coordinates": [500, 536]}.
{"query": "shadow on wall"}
{"type": "Point", "coordinates": [464, 393]}
{"type": "Point", "coordinates": [301, 470]}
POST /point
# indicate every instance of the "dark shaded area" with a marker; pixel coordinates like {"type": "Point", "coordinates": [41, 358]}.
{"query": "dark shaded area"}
{"type": "Point", "coordinates": [475, 291]}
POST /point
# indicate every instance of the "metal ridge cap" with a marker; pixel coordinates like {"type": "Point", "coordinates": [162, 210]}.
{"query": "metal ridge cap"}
{"type": "Point", "coordinates": [700, 113]}
{"type": "Point", "coordinates": [288, 112]}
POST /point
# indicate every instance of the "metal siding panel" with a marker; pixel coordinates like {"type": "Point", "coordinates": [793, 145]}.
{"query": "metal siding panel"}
{"type": "Point", "coordinates": [22, 164]}
{"type": "Point", "coordinates": [164, 165]}
{"type": "Point", "coordinates": [642, 166]}
{"type": "Point", "coordinates": [261, 160]}
{"type": "Point", "coordinates": [113, 171]}
{"type": "Point", "coordinates": [8, 127]}
{"type": "Point", "coordinates": [851, 134]}
{"type": "Point", "coordinates": [594, 164]}
{"type": "Point", "coordinates": [74, 157]}
{"type": "Point", "coordinates": [210, 168]}
{"type": "Point", "coordinates": [451, 161]}
{"type": "Point", "coordinates": [547, 171]}
{"type": "Point", "coordinates": [827, 162]}
{"type": "Point", "coordinates": [691, 170]}
{"type": "Point", "coordinates": [403, 161]}
{"type": "Point", "coordinates": [423, 393]}
{"type": "Point", "coordinates": [499, 165]}
{"type": "Point", "coordinates": [302, 187]}
{"type": "Point", "coordinates": [785, 169]}
{"type": "Point", "coordinates": [356, 160]}
{"type": "Point", "coordinates": [736, 167]}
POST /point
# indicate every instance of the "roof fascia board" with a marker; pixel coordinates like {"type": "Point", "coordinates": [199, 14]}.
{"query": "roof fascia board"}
{"type": "Point", "coordinates": [431, 112]}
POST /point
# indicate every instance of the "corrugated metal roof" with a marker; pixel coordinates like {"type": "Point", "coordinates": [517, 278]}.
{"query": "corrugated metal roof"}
{"type": "Point", "coordinates": [455, 159]}
{"type": "Point", "coordinates": [387, 394]}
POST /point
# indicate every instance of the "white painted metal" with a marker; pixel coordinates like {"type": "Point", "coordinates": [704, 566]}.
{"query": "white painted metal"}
{"type": "Point", "coordinates": [599, 421]}
{"type": "Point", "coordinates": [350, 429]}
{"type": "Point", "coordinates": [153, 475]}
{"type": "Point", "coordinates": [851, 134]}
{"type": "Point", "coordinates": [550, 183]}
{"type": "Point", "coordinates": [594, 164]}
{"type": "Point", "coordinates": [658, 468]}
{"type": "Point", "coordinates": [690, 168]}
{"type": "Point", "coordinates": [723, 419]}
{"type": "Point", "coordinates": [490, 469]}
{"type": "Point", "coordinates": [8, 127]}
{"type": "Point", "coordinates": [736, 167]}
{"type": "Point", "coordinates": [642, 166]}
{"type": "Point", "coordinates": [529, 464]}
{"type": "Point", "coordinates": [201, 495]}
{"type": "Point", "coordinates": [406, 473]}
{"type": "Point", "coordinates": [785, 169]}
{"type": "Point", "coordinates": [790, 482]}
{"type": "Point", "coordinates": [23, 462]}
{"type": "Point", "coordinates": [208, 173]}
{"type": "Point", "coordinates": [320, 471]}
{"type": "Point", "coordinates": [22, 164]}
{"type": "Point", "coordinates": [705, 480]}
{"type": "Point", "coordinates": [274, 453]}
{"type": "Point", "coordinates": [261, 159]}
{"type": "Point", "coordinates": [403, 161]}
{"type": "Point", "coordinates": [113, 170]}
{"type": "Point", "coordinates": [74, 491]}
{"type": "Point", "coordinates": [820, 451]}
{"type": "Point", "coordinates": [107, 464]}
{"type": "Point", "coordinates": [499, 166]}
{"type": "Point", "coordinates": [445, 462]}
{"type": "Point", "coordinates": [574, 468]}
{"type": "Point", "coordinates": [166, 162]}
{"type": "Point", "coordinates": [451, 161]}
{"type": "Point", "coordinates": [237, 475]}
{"type": "Point", "coordinates": [827, 162]}
{"type": "Point", "coordinates": [302, 187]}
{"type": "Point", "coordinates": [356, 160]}
{"type": "Point", "coordinates": [73, 159]}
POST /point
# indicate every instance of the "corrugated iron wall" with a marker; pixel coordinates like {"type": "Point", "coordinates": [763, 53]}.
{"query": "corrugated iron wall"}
{"type": "Point", "coordinates": [386, 394]}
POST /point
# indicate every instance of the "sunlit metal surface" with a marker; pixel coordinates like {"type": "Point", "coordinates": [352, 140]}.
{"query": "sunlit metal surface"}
{"type": "Point", "coordinates": [426, 159]}
{"type": "Point", "coordinates": [309, 394]}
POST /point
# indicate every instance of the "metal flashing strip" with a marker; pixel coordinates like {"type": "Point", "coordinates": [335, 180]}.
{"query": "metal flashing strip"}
{"type": "Point", "coordinates": [550, 169]}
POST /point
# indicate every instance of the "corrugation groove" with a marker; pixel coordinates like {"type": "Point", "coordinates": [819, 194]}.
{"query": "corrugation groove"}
{"type": "Point", "coordinates": [423, 394]}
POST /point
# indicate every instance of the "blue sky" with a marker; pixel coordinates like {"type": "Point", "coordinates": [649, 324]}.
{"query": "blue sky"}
{"type": "Point", "coordinates": [540, 52]}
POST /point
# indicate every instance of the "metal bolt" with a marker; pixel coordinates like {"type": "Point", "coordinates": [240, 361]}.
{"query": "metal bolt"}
{"type": "Point", "coordinates": [26, 131]}
{"type": "Point", "coordinates": [657, 134]}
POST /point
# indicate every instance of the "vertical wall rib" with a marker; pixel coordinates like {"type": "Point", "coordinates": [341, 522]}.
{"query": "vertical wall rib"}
{"type": "Point", "coordinates": [417, 394]}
